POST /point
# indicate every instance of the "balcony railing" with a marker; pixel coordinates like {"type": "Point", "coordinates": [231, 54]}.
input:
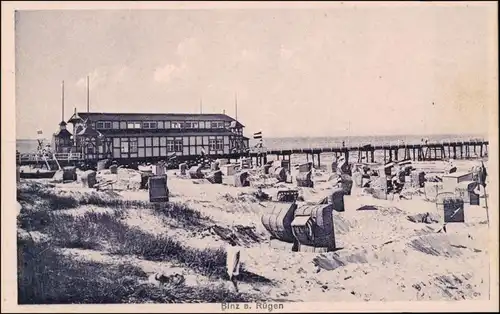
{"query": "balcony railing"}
{"type": "Point", "coordinates": [49, 157]}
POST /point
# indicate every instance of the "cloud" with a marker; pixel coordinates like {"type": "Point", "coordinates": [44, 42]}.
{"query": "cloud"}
{"type": "Point", "coordinates": [167, 73]}
{"type": "Point", "coordinates": [104, 75]}
{"type": "Point", "coordinates": [285, 53]}
{"type": "Point", "coordinates": [188, 47]}
{"type": "Point", "coordinates": [248, 55]}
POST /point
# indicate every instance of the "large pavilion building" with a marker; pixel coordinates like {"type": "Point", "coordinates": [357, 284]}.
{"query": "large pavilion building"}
{"type": "Point", "coordinates": [150, 136]}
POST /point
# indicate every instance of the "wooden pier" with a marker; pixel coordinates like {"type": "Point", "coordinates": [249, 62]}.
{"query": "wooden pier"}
{"type": "Point", "coordinates": [366, 153]}
{"type": "Point", "coordinates": [417, 152]}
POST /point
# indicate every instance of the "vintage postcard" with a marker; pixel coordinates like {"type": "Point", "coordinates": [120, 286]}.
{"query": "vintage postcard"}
{"type": "Point", "coordinates": [249, 156]}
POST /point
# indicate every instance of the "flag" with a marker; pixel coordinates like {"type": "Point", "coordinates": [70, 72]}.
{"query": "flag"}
{"type": "Point", "coordinates": [257, 135]}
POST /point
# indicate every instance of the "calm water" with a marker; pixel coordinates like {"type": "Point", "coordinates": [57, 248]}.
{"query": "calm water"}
{"type": "Point", "coordinates": [26, 146]}
{"type": "Point", "coordinates": [319, 142]}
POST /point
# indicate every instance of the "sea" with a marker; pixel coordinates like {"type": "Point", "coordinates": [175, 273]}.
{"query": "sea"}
{"type": "Point", "coordinates": [283, 143]}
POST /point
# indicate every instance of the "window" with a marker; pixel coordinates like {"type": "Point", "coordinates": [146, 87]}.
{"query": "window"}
{"type": "Point", "coordinates": [161, 125]}
{"type": "Point", "coordinates": [194, 125]}
{"type": "Point", "coordinates": [176, 125]}
{"type": "Point", "coordinates": [167, 125]}
{"type": "Point", "coordinates": [182, 125]}
{"type": "Point", "coordinates": [170, 145]}
{"type": "Point", "coordinates": [156, 141]}
{"type": "Point", "coordinates": [133, 125]}
{"type": "Point", "coordinates": [212, 144]}
{"type": "Point", "coordinates": [219, 144]}
{"type": "Point", "coordinates": [202, 124]}
{"type": "Point", "coordinates": [178, 145]}
{"type": "Point", "coordinates": [148, 141]}
{"type": "Point", "coordinates": [163, 141]}
{"type": "Point", "coordinates": [116, 125]}
{"type": "Point", "coordinates": [103, 125]}
{"type": "Point", "coordinates": [124, 147]}
{"type": "Point", "coordinates": [123, 125]}
{"type": "Point", "coordinates": [133, 145]}
{"type": "Point", "coordinates": [217, 125]}
{"type": "Point", "coordinates": [149, 125]}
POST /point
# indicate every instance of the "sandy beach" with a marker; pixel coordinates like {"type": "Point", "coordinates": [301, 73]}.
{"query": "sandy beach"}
{"type": "Point", "coordinates": [378, 241]}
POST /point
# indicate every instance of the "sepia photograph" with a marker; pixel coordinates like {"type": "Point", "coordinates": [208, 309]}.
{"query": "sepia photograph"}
{"type": "Point", "coordinates": [250, 156]}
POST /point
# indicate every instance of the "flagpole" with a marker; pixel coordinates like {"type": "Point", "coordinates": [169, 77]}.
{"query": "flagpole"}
{"type": "Point", "coordinates": [236, 106]}
{"type": "Point", "coordinates": [62, 102]}
{"type": "Point", "coordinates": [88, 94]}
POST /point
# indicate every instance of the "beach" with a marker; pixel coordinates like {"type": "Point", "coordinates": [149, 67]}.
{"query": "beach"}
{"type": "Point", "coordinates": [377, 240]}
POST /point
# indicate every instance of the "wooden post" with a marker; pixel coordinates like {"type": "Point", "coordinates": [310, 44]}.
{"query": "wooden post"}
{"type": "Point", "coordinates": [372, 153]}
{"type": "Point", "coordinates": [396, 154]}
{"type": "Point", "coordinates": [461, 151]}
{"type": "Point", "coordinates": [307, 157]}
{"type": "Point", "coordinates": [454, 151]}
{"type": "Point", "coordinates": [319, 160]}
{"type": "Point", "coordinates": [481, 151]}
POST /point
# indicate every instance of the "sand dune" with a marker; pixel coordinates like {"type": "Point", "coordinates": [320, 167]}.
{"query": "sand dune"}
{"type": "Point", "coordinates": [386, 250]}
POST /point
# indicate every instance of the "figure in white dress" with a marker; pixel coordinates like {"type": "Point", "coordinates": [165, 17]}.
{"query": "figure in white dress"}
{"type": "Point", "coordinates": [233, 262]}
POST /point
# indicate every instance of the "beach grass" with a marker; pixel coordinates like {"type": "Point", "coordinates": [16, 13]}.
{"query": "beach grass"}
{"type": "Point", "coordinates": [46, 276]}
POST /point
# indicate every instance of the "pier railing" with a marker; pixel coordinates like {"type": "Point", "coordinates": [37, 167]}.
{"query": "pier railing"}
{"type": "Point", "coordinates": [34, 157]}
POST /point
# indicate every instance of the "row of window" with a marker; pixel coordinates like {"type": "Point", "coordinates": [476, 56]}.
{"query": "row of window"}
{"type": "Point", "coordinates": [162, 125]}
{"type": "Point", "coordinates": [131, 145]}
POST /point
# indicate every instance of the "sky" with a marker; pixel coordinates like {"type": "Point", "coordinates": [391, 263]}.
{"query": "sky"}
{"type": "Point", "coordinates": [347, 70]}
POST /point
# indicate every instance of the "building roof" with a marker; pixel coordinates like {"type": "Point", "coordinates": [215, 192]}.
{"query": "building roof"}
{"type": "Point", "coordinates": [63, 133]}
{"type": "Point", "coordinates": [89, 131]}
{"type": "Point", "coordinates": [119, 116]}
{"type": "Point", "coordinates": [75, 118]}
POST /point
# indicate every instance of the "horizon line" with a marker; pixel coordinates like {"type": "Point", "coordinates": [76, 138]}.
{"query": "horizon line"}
{"type": "Point", "coordinates": [343, 136]}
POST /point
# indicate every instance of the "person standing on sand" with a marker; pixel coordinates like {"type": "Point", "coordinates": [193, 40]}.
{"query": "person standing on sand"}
{"type": "Point", "coordinates": [482, 174]}
{"type": "Point", "coordinates": [233, 262]}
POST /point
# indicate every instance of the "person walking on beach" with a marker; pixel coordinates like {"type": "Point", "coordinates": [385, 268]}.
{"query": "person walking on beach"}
{"type": "Point", "coordinates": [233, 262]}
{"type": "Point", "coordinates": [398, 182]}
